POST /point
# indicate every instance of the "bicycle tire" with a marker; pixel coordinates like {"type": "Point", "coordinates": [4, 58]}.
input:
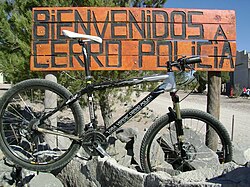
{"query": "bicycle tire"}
{"type": "Point", "coordinates": [159, 150]}
{"type": "Point", "coordinates": [24, 103]}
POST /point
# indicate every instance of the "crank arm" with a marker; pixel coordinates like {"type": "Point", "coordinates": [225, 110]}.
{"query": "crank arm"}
{"type": "Point", "coordinates": [101, 151]}
{"type": "Point", "coordinates": [73, 137]}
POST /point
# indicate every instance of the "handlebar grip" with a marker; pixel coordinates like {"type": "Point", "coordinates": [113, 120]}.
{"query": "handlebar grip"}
{"type": "Point", "coordinates": [193, 60]}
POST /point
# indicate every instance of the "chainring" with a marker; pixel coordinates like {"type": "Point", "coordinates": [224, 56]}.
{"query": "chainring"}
{"type": "Point", "coordinates": [90, 139]}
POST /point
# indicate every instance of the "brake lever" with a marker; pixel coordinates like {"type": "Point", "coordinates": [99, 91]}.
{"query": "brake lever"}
{"type": "Point", "coordinates": [188, 67]}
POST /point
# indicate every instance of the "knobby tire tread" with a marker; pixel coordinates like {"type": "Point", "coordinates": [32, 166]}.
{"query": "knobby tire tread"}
{"type": "Point", "coordinates": [186, 113]}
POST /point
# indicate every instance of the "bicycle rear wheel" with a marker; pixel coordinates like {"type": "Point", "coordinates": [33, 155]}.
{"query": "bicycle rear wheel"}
{"type": "Point", "coordinates": [21, 107]}
{"type": "Point", "coordinates": [160, 152]}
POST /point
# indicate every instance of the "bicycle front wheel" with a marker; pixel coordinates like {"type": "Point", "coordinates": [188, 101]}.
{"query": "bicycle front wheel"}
{"type": "Point", "coordinates": [205, 142]}
{"type": "Point", "coordinates": [21, 107]}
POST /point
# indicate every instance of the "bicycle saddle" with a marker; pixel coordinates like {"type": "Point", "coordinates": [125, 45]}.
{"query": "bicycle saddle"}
{"type": "Point", "coordinates": [85, 37]}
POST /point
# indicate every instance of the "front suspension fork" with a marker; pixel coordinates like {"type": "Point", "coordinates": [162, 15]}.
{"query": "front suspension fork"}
{"type": "Point", "coordinates": [178, 123]}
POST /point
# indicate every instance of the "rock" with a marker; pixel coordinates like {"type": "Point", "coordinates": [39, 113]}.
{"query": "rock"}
{"type": "Point", "coordinates": [247, 154]}
{"type": "Point", "coordinates": [10, 175]}
{"type": "Point", "coordinates": [137, 146]}
{"type": "Point", "coordinates": [240, 156]}
{"type": "Point", "coordinates": [160, 179]}
{"type": "Point", "coordinates": [125, 148]}
{"type": "Point", "coordinates": [126, 134]}
{"type": "Point", "coordinates": [118, 151]}
{"type": "Point", "coordinates": [79, 173]}
{"type": "Point", "coordinates": [205, 174]}
{"type": "Point", "coordinates": [116, 175]}
{"type": "Point", "coordinates": [5, 175]}
{"type": "Point", "coordinates": [1, 155]}
{"type": "Point", "coordinates": [45, 180]}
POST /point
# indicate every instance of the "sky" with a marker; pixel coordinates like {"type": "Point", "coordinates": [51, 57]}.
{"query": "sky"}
{"type": "Point", "coordinates": [241, 7]}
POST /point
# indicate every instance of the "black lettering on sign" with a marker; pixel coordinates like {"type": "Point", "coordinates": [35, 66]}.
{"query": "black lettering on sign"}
{"type": "Point", "coordinates": [183, 23]}
{"type": "Point", "coordinates": [57, 54]}
{"type": "Point", "coordinates": [115, 24]}
{"type": "Point", "coordinates": [175, 50]}
{"type": "Point", "coordinates": [199, 52]}
{"type": "Point", "coordinates": [61, 24]}
{"type": "Point", "coordinates": [102, 33]}
{"type": "Point", "coordinates": [220, 34]}
{"type": "Point", "coordinates": [38, 64]}
{"type": "Point", "coordinates": [148, 24]}
{"type": "Point", "coordinates": [119, 53]}
{"type": "Point", "coordinates": [144, 45]}
{"type": "Point", "coordinates": [132, 21]}
{"type": "Point", "coordinates": [193, 48]}
{"type": "Point", "coordinates": [154, 34]}
{"type": "Point", "coordinates": [53, 25]}
{"type": "Point", "coordinates": [80, 22]}
{"type": "Point", "coordinates": [163, 14]}
{"type": "Point", "coordinates": [226, 55]}
{"type": "Point", "coordinates": [215, 55]}
{"type": "Point", "coordinates": [41, 24]}
{"type": "Point", "coordinates": [195, 25]}
{"type": "Point", "coordinates": [74, 54]}
{"type": "Point", "coordinates": [96, 53]}
{"type": "Point", "coordinates": [168, 47]}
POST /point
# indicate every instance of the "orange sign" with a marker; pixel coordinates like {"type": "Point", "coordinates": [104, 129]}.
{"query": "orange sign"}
{"type": "Point", "coordinates": [133, 38]}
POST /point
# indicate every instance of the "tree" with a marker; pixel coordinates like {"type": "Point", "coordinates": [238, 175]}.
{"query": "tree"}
{"type": "Point", "coordinates": [15, 42]}
{"type": "Point", "coordinates": [148, 3]}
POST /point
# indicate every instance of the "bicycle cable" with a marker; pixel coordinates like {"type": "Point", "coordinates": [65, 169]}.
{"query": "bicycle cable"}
{"type": "Point", "coordinates": [190, 91]}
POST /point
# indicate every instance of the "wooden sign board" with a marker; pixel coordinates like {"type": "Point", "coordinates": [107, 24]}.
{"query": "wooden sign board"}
{"type": "Point", "coordinates": [133, 38]}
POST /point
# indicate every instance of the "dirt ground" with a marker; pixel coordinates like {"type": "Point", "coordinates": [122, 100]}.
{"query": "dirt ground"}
{"type": "Point", "coordinates": [233, 112]}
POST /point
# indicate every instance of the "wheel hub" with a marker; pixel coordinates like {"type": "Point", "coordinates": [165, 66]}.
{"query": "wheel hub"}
{"type": "Point", "coordinates": [190, 151]}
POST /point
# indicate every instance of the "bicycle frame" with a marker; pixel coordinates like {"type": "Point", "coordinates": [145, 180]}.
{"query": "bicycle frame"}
{"type": "Point", "coordinates": [168, 85]}
{"type": "Point", "coordinates": [42, 125]}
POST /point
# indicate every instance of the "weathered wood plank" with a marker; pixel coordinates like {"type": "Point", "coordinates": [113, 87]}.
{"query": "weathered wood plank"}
{"type": "Point", "coordinates": [133, 38]}
{"type": "Point", "coordinates": [157, 31]}
{"type": "Point", "coordinates": [137, 48]}
{"type": "Point", "coordinates": [119, 14]}
{"type": "Point", "coordinates": [114, 62]}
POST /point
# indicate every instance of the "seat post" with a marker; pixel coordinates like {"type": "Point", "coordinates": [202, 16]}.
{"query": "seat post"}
{"type": "Point", "coordinates": [86, 60]}
{"type": "Point", "coordinates": [90, 102]}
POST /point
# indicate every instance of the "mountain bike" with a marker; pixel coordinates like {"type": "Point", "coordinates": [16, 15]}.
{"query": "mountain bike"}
{"type": "Point", "coordinates": [42, 125]}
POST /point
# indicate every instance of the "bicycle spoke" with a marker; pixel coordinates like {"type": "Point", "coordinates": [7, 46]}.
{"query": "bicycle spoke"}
{"type": "Point", "coordinates": [22, 111]}
{"type": "Point", "coordinates": [197, 154]}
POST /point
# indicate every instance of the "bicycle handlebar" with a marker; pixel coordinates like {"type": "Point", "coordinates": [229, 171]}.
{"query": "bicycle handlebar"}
{"type": "Point", "coordinates": [192, 60]}
{"type": "Point", "coordinates": [183, 63]}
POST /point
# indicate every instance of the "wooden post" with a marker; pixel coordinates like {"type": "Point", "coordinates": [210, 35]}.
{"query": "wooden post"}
{"type": "Point", "coordinates": [213, 105]}
{"type": "Point", "coordinates": [50, 102]}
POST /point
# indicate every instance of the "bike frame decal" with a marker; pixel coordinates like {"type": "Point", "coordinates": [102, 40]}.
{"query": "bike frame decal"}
{"type": "Point", "coordinates": [133, 111]}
